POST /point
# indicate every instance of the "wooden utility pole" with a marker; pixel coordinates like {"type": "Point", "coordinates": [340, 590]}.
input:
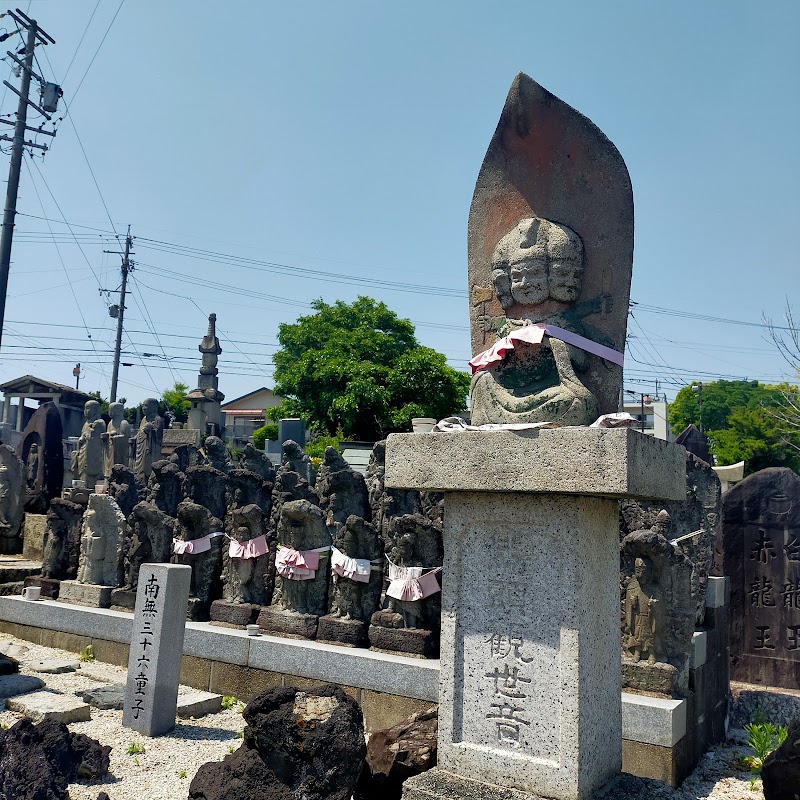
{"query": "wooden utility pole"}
{"type": "Point", "coordinates": [19, 144]}
{"type": "Point", "coordinates": [126, 267]}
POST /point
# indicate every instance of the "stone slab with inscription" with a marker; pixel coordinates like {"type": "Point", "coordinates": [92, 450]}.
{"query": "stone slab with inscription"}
{"type": "Point", "coordinates": [530, 673]}
{"type": "Point", "coordinates": [154, 665]}
{"type": "Point", "coordinates": [760, 552]}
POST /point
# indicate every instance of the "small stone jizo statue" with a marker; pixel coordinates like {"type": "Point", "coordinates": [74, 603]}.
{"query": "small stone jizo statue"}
{"type": "Point", "coordinates": [148, 439]}
{"type": "Point", "coordinates": [641, 613]}
{"type": "Point", "coordinates": [87, 458]}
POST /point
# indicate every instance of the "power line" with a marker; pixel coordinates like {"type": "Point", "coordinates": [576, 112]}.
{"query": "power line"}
{"type": "Point", "coordinates": [83, 36]}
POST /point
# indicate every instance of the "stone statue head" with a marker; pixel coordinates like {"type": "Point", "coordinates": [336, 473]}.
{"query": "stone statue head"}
{"type": "Point", "coordinates": [115, 411]}
{"type": "Point", "coordinates": [537, 261]}
{"type": "Point", "coordinates": [150, 408]}
{"type": "Point", "coordinates": [662, 523]}
{"type": "Point", "coordinates": [642, 570]}
{"type": "Point", "coordinates": [91, 411]}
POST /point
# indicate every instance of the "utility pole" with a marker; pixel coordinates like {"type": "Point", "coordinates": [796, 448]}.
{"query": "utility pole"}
{"type": "Point", "coordinates": [126, 267]}
{"type": "Point", "coordinates": [18, 141]}
{"type": "Point", "coordinates": [698, 387]}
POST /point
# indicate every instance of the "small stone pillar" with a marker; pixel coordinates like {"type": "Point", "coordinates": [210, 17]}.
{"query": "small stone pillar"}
{"type": "Point", "coordinates": [530, 691]}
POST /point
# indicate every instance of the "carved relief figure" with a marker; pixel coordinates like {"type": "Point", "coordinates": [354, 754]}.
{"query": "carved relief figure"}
{"type": "Point", "coordinates": [116, 438]}
{"type": "Point", "coordinates": [537, 272]}
{"type": "Point", "coordinates": [148, 439]}
{"type": "Point", "coordinates": [87, 458]}
{"type": "Point", "coordinates": [640, 613]}
{"type": "Point", "coordinates": [150, 541]}
{"type": "Point", "coordinates": [101, 541]}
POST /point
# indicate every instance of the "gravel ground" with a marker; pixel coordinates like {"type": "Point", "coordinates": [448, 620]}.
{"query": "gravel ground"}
{"type": "Point", "coordinates": [168, 764]}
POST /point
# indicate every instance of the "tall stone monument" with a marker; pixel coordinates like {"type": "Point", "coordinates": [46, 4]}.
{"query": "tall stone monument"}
{"type": "Point", "coordinates": [42, 451]}
{"type": "Point", "coordinates": [207, 397]}
{"type": "Point", "coordinates": [530, 666]}
{"type": "Point", "coordinates": [760, 553]}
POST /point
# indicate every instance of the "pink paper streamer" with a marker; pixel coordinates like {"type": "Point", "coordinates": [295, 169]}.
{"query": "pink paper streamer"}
{"type": "Point", "coordinates": [251, 548]}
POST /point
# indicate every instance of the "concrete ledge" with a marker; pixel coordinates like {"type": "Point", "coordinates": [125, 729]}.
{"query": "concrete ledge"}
{"type": "Point", "coordinates": [699, 652]}
{"type": "Point", "coordinates": [716, 592]}
{"type": "Point", "coordinates": [586, 461]}
{"type": "Point", "coordinates": [653, 720]}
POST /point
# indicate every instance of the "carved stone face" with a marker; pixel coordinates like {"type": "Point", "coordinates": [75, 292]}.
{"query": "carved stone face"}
{"type": "Point", "coordinates": [150, 408]}
{"type": "Point", "coordinates": [641, 570]}
{"type": "Point", "coordinates": [91, 411]}
{"type": "Point", "coordinates": [115, 411]}
{"type": "Point", "coordinates": [537, 261]}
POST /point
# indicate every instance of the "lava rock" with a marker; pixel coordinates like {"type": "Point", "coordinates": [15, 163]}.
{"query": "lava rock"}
{"type": "Point", "coordinates": [307, 744]}
{"type": "Point", "coordinates": [37, 762]}
{"type": "Point", "coordinates": [8, 665]}
{"type": "Point", "coordinates": [781, 771]}
{"type": "Point", "coordinates": [397, 753]}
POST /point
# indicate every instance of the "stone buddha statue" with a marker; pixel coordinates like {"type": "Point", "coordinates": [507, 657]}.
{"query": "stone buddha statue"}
{"type": "Point", "coordinates": [87, 460]}
{"type": "Point", "coordinates": [537, 273]}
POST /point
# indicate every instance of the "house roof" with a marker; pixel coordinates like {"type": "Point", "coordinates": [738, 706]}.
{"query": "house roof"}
{"type": "Point", "coordinates": [245, 397]}
{"type": "Point", "coordinates": [31, 385]}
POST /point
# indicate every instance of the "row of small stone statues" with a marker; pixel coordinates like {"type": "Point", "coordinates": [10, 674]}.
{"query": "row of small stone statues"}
{"type": "Point", "coordinates": [100, 447]}
{"type": "Point", "coordinates": [332, 555]}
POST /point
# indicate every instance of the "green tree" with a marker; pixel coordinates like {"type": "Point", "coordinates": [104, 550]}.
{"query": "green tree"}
{"type": "Point", "coordinates": [741, 422]}
{"type": "Point", "coordinates": [357, 370]}
{"type": "Point", "coordinates": [172, 401]}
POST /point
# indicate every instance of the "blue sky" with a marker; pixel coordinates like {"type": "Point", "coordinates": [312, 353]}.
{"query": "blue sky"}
{"type": "Point", "coordinates": [345, 138]}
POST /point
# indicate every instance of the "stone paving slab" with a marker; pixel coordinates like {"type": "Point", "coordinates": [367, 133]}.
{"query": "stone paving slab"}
{"type": "Point", "coordinates": [39, 706]}
{"type": "Point", "coordinates": [55, 666]}
{"type": "Point", "coordinates": [105, 697]}
{"type": "Point", "coordinates": [13, 685]}
{"type": "Point", "coordinates": [198, 704]}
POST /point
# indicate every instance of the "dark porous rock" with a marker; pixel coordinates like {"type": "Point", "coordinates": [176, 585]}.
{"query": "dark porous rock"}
{"type": "Point", "coordinates": [297, 744]}
{"type": "Point", "coordinates": [38, 762]}
{"type": "Point", "coordinates": [397, 753]}
{"type": "Point", "coordinates": [258, 462]}
{"type": "Point", "coordinates": [407, 641]}
{"type": "Point", "coordinates": [237, 614]}
{"type": "Point", "coordinates": [165, 487]}
{"type": "Point", "coordinates": [49, 586]}
{"type": "Point", "coordinates": [346, 632]}
{"type": "Point", "coordinates": [62, 540]}
{"type": "Point", "coordinates": [293, 624]}
{"type": "Point", "coordinates": [207, 486]}
{"type": "Point", "coordinates": [148, 540]}
{"type": "Point", "coordinates": [342, 491]}
{"type": "Point", "coordinates": [781, 771]}
{"type": "Point", "coordinates": [103, 796]}
{"type": "Point", "coordinates": [659, 677]}
{"type": "Point", "coordinates": [124, 488]}
{"type": "Point", "coordinates": [8, 665]}
{"type": "Point", "coordinates": [105, 697]}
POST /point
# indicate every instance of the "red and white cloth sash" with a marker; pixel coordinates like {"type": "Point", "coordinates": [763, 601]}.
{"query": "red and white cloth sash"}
{"type": "Point", "coordinates": [299, 565]}
{"type": "Point", "coordinates": [250, 548]}
{"type": "Point", "coordinates": [533, 334]}
{"type": "Point", "coordinates": [408, 583]}
{"type": "Point", "coordinates": [194, 546]}
{"type": "Point", "coordinates": [356, 569]}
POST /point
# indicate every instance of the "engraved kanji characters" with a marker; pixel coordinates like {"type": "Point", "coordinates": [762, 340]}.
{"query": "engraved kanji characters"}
{"type": "Point", "coordinates": [791, 594]}
{"type": "Point", "coordinates": [761, 593]}
{"type": "Point", "coordinates": [509, 683]}
{"type": "Point", "coordinates": [763, 550]}
{"type": "Point", "coordinates": [763, 637]}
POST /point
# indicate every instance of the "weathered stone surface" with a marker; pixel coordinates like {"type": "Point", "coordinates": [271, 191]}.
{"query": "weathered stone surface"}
{"type": "Point", "coordinates": [149, 540]}
{"type": "Point", "coordinates": [411, 541]}
{"type": "Point", "coordinates": [154, 663]}
{"type": "Point", "coordinates": [781, 771]}
{"type": "Point", "coordinates": [105, 697]}
{"type": "Point", "coordinates": [8, 665]}
{"type": "Point", "coordinates": [165, 488]}
{"type": "Point", "coordinates": [258, 462]}
{"type": "Point", "coordinates": [12, 493]}
{"type": "Point", "coordinates": [33, 531]}
{"type": "Point", "coordinates": [198, 704]}
{"type": "Point", "coordinates": [695, 523]}
{"type": "Point", "coordinates": [237, 614]}
{"type": "Point", "coordinates": [102, 539]}
{"type": "Point", "coordinates": [296, 744]}
{"type": "Point", "coordinates": [37, 762]}
{"type": "Point", "coordinates": [395, 754]}
{"type": "Point", "coordinates": [55, 666]}
{"type": "Point", "coordinates": [386, 504]}
{"type": "Point", "coordinates": [13, 685]}
{"type": "Point", "coordinates": [50, 587]}
{"type": "Point", "coordinates": [39, 706]}
{"type": "Point", "coordinates": [185, 455]}
{"type": "Point", "coordinates": [42, 452]}
{"type": "Point", "coordinates": [194, 522]}
{"type": "Point", "coordinates": [550, 240]}
{"type": "Point", "coordinates": [85, 594]}
{"type": "Point", "coordinates": [217, 454]}
{"type": "Point", "coordinates": [760, 552]}
{"type": "Point", "coordinates": [149, 438]}
{"type": "Point", "coordinates": [584, 461]}
{"type": "Point", "coordinates": [295, 459]}
{"type": "Point", "coordinates": [342, 491]}
{"type": "Point", "coordinates": [659, 613]}
{"type": "Point", "coordinates": [207, 486]}
{"type": "Point", "coordinates": [88, 458]}
{"type": "Point", "coordinates": [62, 541]}
{"type": "Point", "coordinates": [124, 488]}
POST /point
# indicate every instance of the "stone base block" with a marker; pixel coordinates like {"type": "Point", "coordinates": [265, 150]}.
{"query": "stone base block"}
{"type": "Point", "coordinates": [11, 589]}
{"type": "Point", "coordinates": [39, 706]}
{"type": "Point", "coordinates": [238, 614]}
{"type": "Point", "coordinates": [670, 765]}
{"type": "Point", "coordinates": [198, 704]}
{"type": "Point", "coordinates": [85, 594]}
{"type": "Point", "coordinates": [348, 632]}
{"type": "Point", "coordinates": [653, 720]}
{"type": "Point", "coordinates": [49, 586]}
{"type": "Point", "coordinates": [406, 641]}
{"type": "Point", "coordinates": [123, 600]}
{"type": "Point", "coordinates": [197, 610]}
{"type": "Point", "coordinates": [659, 677]}
{"type": "Point", "coordinates": [105, 697]}
{"type": "Point", "coordinates": [285, 623]}
{"type": "Point", "coordinates": [436, 784]}
{"type": "Point", "coordinates": [33, 536]}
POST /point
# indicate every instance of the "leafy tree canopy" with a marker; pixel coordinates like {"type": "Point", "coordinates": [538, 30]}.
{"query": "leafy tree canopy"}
{"type": "Point", "coordinates": [172, 401]}
{"type": "Point", "coordinates": [357, 370]}
{"type": "Point", "coordinates": [742, 420]}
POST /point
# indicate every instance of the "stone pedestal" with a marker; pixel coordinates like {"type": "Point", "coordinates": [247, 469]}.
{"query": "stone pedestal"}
{"type": "Point", "coordinates": [530, 643]}
{"type": "Point", "coordinates": [237, 615]}
{"type": "Point", "coordinates": [49, 586]}
{"type": "Point", "coordinates": [85, 594]}
{"type": "Point", "coordinates": [33, 536]}
{"type": "Point", "coordinates": [288, 623]}
{"type": "Point", "coordinates": [123, 600]}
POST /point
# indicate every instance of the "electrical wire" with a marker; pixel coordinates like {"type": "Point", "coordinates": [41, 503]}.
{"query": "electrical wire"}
{"type": "Point", "coordinates": [83, 36]}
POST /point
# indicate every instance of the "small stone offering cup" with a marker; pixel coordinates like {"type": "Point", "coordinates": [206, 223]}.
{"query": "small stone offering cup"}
{"type": "Point", "coordinates": [101, 487]}
{"type": "Point", "coordinates": [31, 593]}
{"type": "Point", "coordinates": [253, 630]}
{"type": "Point", "coordinates": [422, 424]}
